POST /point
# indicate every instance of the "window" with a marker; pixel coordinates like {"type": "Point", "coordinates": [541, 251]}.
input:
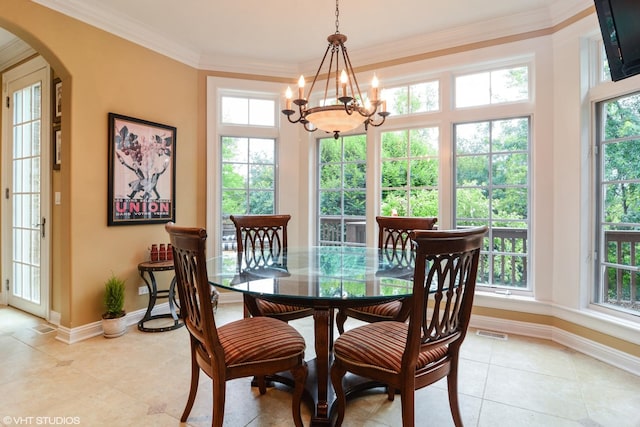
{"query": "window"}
{"type": "Point", "coordinates": [247, 111]}
{"type": "Point", "coordinates": [617, 266]}
{"type": "Point", "coordinates": [248, 176]}
{"type": "Point", "coordinates": [604, 71]}
{"type": "Point", "coordinates": [492, 188]}
{"type": "Point", "coordinates": [492, 87]}
{"type": "Point", "coordinates": [410, 170]}
{"type": "Point", "coordinates": [418, 98]}
{"type": "Point", "coordinates": [342, 190]}
{"type": "Point", "coordinates": [248, 162]}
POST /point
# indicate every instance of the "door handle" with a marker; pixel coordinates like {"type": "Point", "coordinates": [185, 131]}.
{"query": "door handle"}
{"type": "Point", "coordinates": [44, 221]}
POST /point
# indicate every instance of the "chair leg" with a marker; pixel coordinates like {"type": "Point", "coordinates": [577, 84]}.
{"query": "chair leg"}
{"type": "Point", "coordinates": [300, 377]}
{"type": "Point", "coordinates": [250, 306]}
{"type": "Point", "coordinates": [219, 396]}
{"type": "Point", "coordinates": [337, 373]}
{"type": "Point", "coordinates": [261, 381]}
{"type": "Point", "coordinates": [407, 401]}
{"type": "Point", "coordinates": [452, 387]}
{"type": "Point", "coordinates": [340, 319]}
{"type": "Point", "coordinates": [391, 393]}
{"type": "Point", "coordinates": [195, 376]}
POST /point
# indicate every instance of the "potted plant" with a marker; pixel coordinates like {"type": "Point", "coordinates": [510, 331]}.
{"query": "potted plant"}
{"type": "Point", "coordinates": [113, 320]}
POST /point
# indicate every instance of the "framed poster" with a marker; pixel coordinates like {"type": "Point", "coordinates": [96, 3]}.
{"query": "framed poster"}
{"type": "Point", "coordinates": [57, 100]}
{"type": "Point", "coordinates": [57, 145]}
{"type": "Point", "coordinates": [142, 181]}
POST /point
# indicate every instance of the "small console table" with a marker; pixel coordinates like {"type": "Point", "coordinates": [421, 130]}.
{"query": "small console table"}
{"type": "Point", "coordinates": [148, 268]}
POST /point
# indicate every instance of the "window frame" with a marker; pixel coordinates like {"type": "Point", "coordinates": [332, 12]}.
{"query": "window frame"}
{"type": "Point", "coordinates": [234, 130]}
{"type": "Point", "coordinates": [344, 220]}
{"type": "Point", "coordinates": [488, 250]}
{"type": "Point", "coordinates": [409, 188]}
{"type": "Point", "coordinates": [599, 251]}
{"type": "Point", "coordinates": [494, 68]}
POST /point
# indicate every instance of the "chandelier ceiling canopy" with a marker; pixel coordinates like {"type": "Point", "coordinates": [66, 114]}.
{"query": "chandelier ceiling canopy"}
{"type": "Point", "coordinates": [346, 108]}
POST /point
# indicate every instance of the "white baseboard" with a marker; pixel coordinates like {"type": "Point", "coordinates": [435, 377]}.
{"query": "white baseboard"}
{"type": "Point", "coordinates": [74, 335]}
{"type": "Point", "coordinates": [591, 348]}
{"type": "Point", "coordinates": [54, 318]}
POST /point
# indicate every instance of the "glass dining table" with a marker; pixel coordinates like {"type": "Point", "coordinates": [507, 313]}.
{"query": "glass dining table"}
{"type": "Point", "coordinates": [324, 278]}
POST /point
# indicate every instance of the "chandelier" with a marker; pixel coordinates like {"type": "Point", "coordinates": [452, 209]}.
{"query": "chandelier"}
{"type": "Point", "coordinates": [347, 109]}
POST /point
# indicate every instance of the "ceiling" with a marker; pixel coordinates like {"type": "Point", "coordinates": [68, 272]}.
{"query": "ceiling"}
{"type": "Point", "coordinates": [276, 36]}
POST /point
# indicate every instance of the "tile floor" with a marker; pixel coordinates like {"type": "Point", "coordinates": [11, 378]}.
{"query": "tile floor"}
{"type": "Point", "coordinates": [142, 379]}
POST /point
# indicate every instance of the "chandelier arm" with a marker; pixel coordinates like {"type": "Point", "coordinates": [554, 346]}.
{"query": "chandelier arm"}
{"type": "Point", "coordinates": [366, 113]}
{"type": "Point", "coordinates": [293, 121]}
{"type": "Point", "coordinates": [307, 128]}
{"type": "Point", "coordinates": [315, 78]}
{"type": "Point", "coordinates": [336, 49]}
{"type": "Point", "coordinates": [326, 86]}
{"type": "Point", "coordinates": [302, 113]}
{"type": "Point", "coordinates": [372, 123]}
{"type": "Point", "coordinates": [353, 80]}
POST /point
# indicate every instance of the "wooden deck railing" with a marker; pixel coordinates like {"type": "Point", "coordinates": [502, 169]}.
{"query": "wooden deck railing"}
{"type": "Point", "coordinates": [510, 262]}
{"type": "Point", "coordinates": [509, 255]}
{"type": "Point", "coordinates": [622, 268]}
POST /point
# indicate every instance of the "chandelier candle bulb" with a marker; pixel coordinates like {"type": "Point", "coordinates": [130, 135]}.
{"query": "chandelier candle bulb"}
{"type": "Point", "coordinates": [288, 95]}
{"type": "Point", "coordinates": [374, 89]}
{"type": "Point", "coordinates": [343, 80]}
{"type": "Point", "coordinates": [301, 87]}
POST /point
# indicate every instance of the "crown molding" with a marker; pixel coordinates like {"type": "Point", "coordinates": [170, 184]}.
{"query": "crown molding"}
{"type": "Point", "coordinates": [125, 27]}
{"type": "Point", "coordinates": [13, 52]}
{"type": "Point", "coordinates": [137, 32]}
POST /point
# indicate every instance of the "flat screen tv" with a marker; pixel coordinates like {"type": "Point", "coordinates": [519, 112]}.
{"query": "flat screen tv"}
{"type": "Point", "coordinates": [620, 27]}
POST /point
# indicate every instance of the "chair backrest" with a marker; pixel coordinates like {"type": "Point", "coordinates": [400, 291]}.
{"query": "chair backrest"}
{"type": "Point", "coordinates": [394, 238]}
{"type": "Point", "coordinates": [194, 289]}
{"type": "Point", "coordinates": [444, 282]}
{"type": "Point", "coordinates": [261, 240]}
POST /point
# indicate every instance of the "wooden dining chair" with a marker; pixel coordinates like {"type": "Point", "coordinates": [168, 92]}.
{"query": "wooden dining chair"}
{"type": "Point", "coordinates": [261, 242]}
{"type": "Point", "coordinates": [397, 250]}
{"type": "Point", "coordinates": [246, 347]}
{"type": "Point", "coordinates": [411, 355]}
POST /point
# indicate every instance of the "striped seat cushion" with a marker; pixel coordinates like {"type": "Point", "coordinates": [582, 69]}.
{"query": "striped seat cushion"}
{"type": "Point", "coordinates": [259, 338]}
{"type": "Point", "coordinates": [387, 309]}
{"type": "Point", "coordinates": [268, 307]}
{"type": "Point", "coordinates": [381, 345]}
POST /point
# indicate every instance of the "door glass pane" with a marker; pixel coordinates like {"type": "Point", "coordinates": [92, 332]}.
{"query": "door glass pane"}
{"type": "Point", "coordinates": [26, 230]}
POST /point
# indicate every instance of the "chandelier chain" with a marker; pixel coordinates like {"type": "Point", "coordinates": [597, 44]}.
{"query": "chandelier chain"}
{"type": "Point", "coordinates": [337, 18]}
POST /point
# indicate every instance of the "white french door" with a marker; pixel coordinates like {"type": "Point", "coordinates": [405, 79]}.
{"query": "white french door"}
{"type": "Point", "coordinates": [25, 187]}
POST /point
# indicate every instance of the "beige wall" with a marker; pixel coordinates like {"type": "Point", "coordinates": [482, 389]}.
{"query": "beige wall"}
{"type": "Point", "coordinates": [102, 73]}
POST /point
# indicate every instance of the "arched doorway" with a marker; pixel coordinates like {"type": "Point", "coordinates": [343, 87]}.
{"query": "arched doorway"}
{"type": "Point", "coordinates": [26, 147]}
